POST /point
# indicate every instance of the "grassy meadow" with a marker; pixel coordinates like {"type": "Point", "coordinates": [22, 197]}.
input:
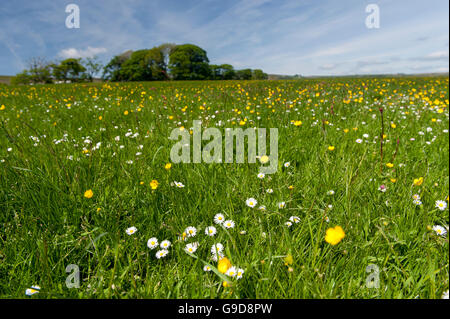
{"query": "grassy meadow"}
{"type": "Point", "coordinates": [86, 179]}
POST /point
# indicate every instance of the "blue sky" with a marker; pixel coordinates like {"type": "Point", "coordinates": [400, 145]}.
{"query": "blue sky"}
{"type": "Point", "coordinates": [308, 37]}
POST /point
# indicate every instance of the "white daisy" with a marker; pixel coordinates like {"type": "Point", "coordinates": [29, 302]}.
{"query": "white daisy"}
{"type": "Point", "coordinates": [294, 219]}
{"type": "Point", "coordinates": [152, 243]}
{"type": "Point", "coordinates": [441, 204]}
{"type": "Point", "coordinates": [281, 205]}
{"type": "Point", "coordinates": [216, 248]}
{"type": "Point", "coordinates": [207, 268]}
{"type": "Point", "coordinates": [161, 253]}
{"type": "Point", "coordinates": [191, 248]}
{"type": "Point", "coordinates": [219, 218]}
{"type": "Point", "coordinates": [165, 244]}
{"type": "Point", "coordinates": [228, 224]}
{"type": "Point", "coordinates": [131, 230]}
{"type": "Point", "coordinates": [251, 202]}
{"type": "Point", "coordinates": [210, 231]}
{"type": "Point", "coordinates": [191, 231]}
{"type": "Point", "coordinates": [439, 230]}
{"type": "Point", "coordinates": [287, 164]}
{"type": "Point", "coordinates": [232, 271]}
{"type": "Point", "coordinates": [239, 273]}
{"type": "Point", "coordinates": [261, 175]}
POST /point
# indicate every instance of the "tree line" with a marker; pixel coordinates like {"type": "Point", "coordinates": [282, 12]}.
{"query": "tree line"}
{"type": "Point", "coordinates": [161, 63]}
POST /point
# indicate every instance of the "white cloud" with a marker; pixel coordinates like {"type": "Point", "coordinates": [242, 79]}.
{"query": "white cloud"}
{"type": "Point", "coordinates": [90, 52]}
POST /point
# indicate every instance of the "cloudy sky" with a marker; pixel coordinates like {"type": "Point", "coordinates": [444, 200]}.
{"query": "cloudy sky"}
{"type": "Point", "coordinates": [308, 37]}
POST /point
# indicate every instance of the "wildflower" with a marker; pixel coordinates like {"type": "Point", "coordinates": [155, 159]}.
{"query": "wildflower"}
{"type": "Point", "coordinates": [223, 265]}
{"type": "Point", "coordinates": [210, 231]}
{"type": "Point", "coordinates": [281, 205]}
{"type": "Point", "coordinates": [131, 230]}
{"type": "Point", "coordinates": [168, 166]}
{"type": "Point", "coordinates": [32, 291]}
{"type": "Point", "coordinates": [152, 243]}
{"type": "Point", "coordinates": [207, 268]}
{"type": "Point", "coordinates": [390, 165]}
{"type": "Point", "coordinates": [261, 175]}
{"type": "Point", "coordinates": [417, 202]}
{"type": "Point", "coordinates": [251, 202]}
{"type": "Point", "coordinates": [334, 235]}
{"type": "Point", "coordinates": [382, 188]}
{"type": "Point", "coordinates": [269, 191]}
{"type": "Point", "coordinates": [239, 273]}
{"type": "Point", "coordinates": [445, 295]}
{"type": "Point", "coordinates": [89, 193]}
{"type": "Point", "coordinates": [418, 181]}
{"type": "Point", "coordinates": [439, 230]}
{"type": "Point", "coordinates": [288, 260]}
{"type": "Point", "coordinates": [288, 224]}
{"type": "Point", "coordinates": [178, 184]}
{"type": "Point", "coordinates": [219, 218]}
{"type": "Point", "coordinates": [191, 248]}
{"type": "Point", "coordinates": [228, 224]}
{"type": "Point", "coordinates": [331, 148]}
{"type": "Point", "coordinates": [441, 204]}
{"type": "Point", "coordinates": [262, 207]}
{"type": "Point", "coordinates": [297, 123]}
{"type": "Point", "coordinates": [294, 219]}
{"type": "Point", "coordinates": [231, 271]}
{"type": "Point", "coordinates": [287, 164]}
{"type": "Point", "coordinates": [154, 184]}
{"type": "Point", "coordinates": [330, 192]}
{"type": "Point", "coordinates": [216, 248]}
{"type": "Point", "coordinates": [161, 253]}
{"type": "Point", "coordinates": [359, 141]}
{"type": "Point", "coordinates": [191, 231]}
{"type": "Point", "coordinates": [165, 244]}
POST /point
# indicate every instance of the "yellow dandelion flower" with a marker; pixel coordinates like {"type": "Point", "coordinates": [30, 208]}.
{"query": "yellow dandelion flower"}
{"type": "Point", "coordinates": [418, 181]}
{"type": "Point", "coordinates": [334, 235]}
{"type": "Point", "coordinates": [89, 193]}
{"type": "Point", "coordinates": [154, 184]}
{"type": "Point", "coordinates": [223, 265]}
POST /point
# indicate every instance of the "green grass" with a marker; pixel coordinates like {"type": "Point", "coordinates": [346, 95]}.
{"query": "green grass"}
{"type": "Point", "coordinates": [47, 223]}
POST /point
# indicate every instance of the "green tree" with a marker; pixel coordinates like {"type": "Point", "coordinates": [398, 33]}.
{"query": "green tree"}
{"type": "Point", "coordinates": [189, 62]}
{"type": "Point", "coordinates": [69, 70]}
{"type": "Point", "coordinates": [93, 67]}
{"type": "Point", "coordinates": [222, 72]}
{"type": "Point", "coordinates": [245, 74]}
{"type": "Point", "coordinates": [258, 74]}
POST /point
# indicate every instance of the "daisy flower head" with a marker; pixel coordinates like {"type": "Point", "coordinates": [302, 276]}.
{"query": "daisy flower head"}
{"type": "Point", "coordinates": [216, 248]}
{"type": "Point", "coordinates": [228, 224]}
{"type": "Point", "coordinates": [232, 271]}
{"type": "Point", "coordinates": [131, 230]}
{"type": "Point", "coordinates": [207, 268]}
{"type": "Point", "coordinates": [161, 253]}
{"type": "Point", "coordinates": [191, 248]}
{"type": "Point", "coordinates": [239, 273]}
{"type": "Point", "coordinates": [178, 184]}
{"type": "Point", "coordinates": [441, 205]}
{"type": "Point", "coordinates": [359, 141]}
{"type": "Point", "coordinates": [294, 219]}
{"type": "Point", "coordinates": [330, 192]}
{"type": "Point", "coordinates": [287, 164]}
{"type": "Point", "coordinates": [261, 175]}
{"type": "Point", "coordinates": [251, 202]}
{"type": "Point", "coordinates": [210, 231]}
{"type": "Point", "coordinates": [262, 207]}
{"type": "Point", "coordinates": [281, 205]}
{"type": "Point", "coordinates": [269, 191]}
{"type": "Point", "coordinates": [417, 202]}
{"type": "Point", "coordinates": [152, 243]}
{"type": "Point", "coordinates": [382, 188]}
{"type": "Point", "coordinates": [416, 197]}
{"type": "Point", "coordinates": [219, 218]}
{"type": "Point", "coordinates": [191, 231]}
{"type": "Point", "coordinates": [439, 230]}
{"type": "Point", "coordinates": [288, 224]}
{"type": "Point", "coordinates": [32, 291]}
{"type": "Point", "coordinates": [165, 244]}
{"type": "Point", "coordinates": [445, 295]}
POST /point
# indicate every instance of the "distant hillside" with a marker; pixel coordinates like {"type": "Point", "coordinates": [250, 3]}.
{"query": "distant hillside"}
{"type": "Point", "coordinates": [5, 79]}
